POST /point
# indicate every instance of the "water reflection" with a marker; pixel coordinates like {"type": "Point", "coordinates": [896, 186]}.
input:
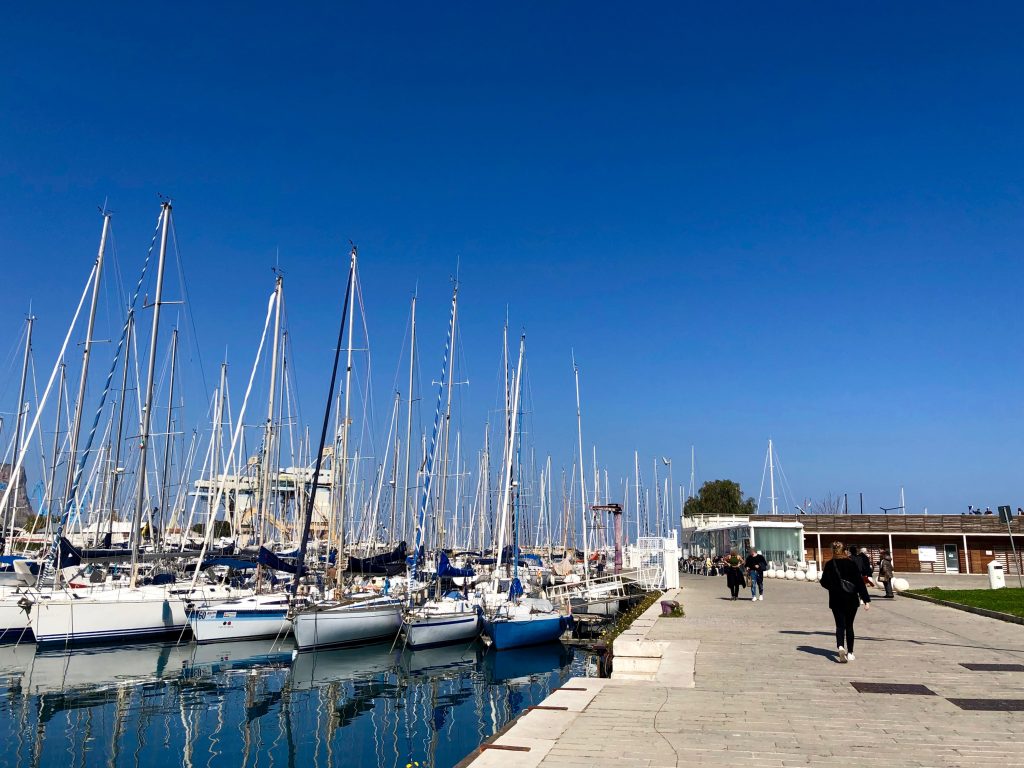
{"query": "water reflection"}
{"type": "Point", "coordinates": [257, 703]}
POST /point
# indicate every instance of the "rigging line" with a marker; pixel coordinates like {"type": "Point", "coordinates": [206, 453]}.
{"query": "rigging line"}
{"type": "Point", "coordinates": [20, 459]}
{"type": "Point", "coordinates": [76, 477]}
{"type": "Point", "coordinates": [188, 308]}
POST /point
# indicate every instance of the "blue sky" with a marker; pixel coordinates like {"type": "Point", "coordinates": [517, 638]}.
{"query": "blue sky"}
{"type": "Point", "coordinates": [748, 221]}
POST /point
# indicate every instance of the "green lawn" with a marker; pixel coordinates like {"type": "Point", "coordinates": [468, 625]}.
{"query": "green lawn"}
{"type": "Point", "coordinates": [1002, 600]}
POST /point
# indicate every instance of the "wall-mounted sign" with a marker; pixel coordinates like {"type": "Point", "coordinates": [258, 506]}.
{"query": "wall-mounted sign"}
{"type": "Point", "coordinates": [927, 554]}
{"type": "Point", "coordinates": [988, 551]}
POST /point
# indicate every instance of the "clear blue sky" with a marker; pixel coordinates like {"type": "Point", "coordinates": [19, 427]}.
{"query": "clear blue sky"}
{"type": "Point", "coordinates": [787, 220]}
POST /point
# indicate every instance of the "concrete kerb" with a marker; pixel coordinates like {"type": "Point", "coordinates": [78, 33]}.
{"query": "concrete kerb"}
{"type": "Point", "coordinates": [1008, 617]}
{"type": "Point", "coordinates": [527, 740]}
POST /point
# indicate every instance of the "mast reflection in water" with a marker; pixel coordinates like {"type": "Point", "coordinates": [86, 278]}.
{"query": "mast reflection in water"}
{"type": "Point", "coordinates": [252, 704]}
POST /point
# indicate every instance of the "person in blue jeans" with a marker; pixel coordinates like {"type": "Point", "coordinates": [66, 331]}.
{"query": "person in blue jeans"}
{"type": "Point", "coordinates": [756, 565]}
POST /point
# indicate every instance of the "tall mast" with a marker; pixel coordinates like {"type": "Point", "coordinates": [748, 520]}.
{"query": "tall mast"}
{"type": "Point", "coordinates": [693, 491]}
{"type": "Point", "coordinates": [168, 442]}
{"type": "Point", "coordinates": [408, 421]}
{"type": "Point", "coordinates": [307, 516]}
{"type": "Point", "coordinates": [51, 489]}
{"type": "Point", "coordinates": [636, 484]}
{"type": "Point", "coordinates": [392, 540]}
{"type": "Point", "coordinates": [16, 480]}
{"type": "Point", "coordinates": [486, 480]}
{"type": "Point", "coordinates": [507, 479]}
{"type": "Point", "coordinates": [140, 498]}
{"type": "Point", "coordinates": [117, 469]}
{"type": "Point", "coordinates": [447, 421]}
{"type": "Point", "coordinates": [583, 484]}
{"type": "Point", "coordinates": [76, 426]}
{"type": "Point", "coordinates": [771, 473]}
{"type": "Point", "coordinates": [215, 450]}
{"type": "Point", "coordinates": [343, 481]}
{"type": "Point", "coordinates": [266, 483]}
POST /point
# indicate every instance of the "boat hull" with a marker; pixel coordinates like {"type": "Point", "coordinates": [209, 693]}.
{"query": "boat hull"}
{"type": "Point", "coordinates": [127, 615]}
{"type": "Point", "coordinates": [441, 629]}
{"type": "Point", "coordinates": [15, 621]}
{"type": "Point", "coordinates": [339, 626]}
{"type": "Point", "coordinates": [507, 633]}
{"type": "Point", "coordinates": [225, 623]}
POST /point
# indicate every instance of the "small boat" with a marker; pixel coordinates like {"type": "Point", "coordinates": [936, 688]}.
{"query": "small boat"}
{"type": "Point", "coordinates": [452, 619]}
{"type": "Point", "coordinates": [248, 618]}
{"type": "Point", "coordinates": [528, 621]}
{"type": "Point", "coordinates": [356, 621]}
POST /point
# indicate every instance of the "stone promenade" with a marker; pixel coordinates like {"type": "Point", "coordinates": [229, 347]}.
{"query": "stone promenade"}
{"type": "Point", "coordinates": [768, 692]}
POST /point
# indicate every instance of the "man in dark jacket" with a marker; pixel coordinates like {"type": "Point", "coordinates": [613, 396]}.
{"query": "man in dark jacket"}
{"type": "Point", "coordinates": [860, 557]}
{"type": "Point", "coordinates": [756, 566]}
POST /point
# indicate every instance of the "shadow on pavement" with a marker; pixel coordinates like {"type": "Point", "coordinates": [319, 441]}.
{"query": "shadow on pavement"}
{"type": "Point", "coordinates": [831, 655]}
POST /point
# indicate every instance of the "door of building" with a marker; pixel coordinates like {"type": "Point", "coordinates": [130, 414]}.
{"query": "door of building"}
{"type": "Point", "coordinates": [952, 560]}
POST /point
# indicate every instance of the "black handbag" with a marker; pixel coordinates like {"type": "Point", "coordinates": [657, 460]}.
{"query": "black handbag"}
{"type": "Point", "coordinates": [848, 586]}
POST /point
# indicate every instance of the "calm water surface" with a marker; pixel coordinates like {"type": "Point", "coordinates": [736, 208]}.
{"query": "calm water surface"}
{"type": "Point", "coordinates": [253, 704]}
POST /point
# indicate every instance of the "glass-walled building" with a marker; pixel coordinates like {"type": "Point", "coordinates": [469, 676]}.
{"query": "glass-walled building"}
{"type": "Point", "coordinates": [781, 542]}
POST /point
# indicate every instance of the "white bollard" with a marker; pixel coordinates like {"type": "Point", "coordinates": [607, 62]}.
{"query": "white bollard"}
{"type": "Point", "coordinates": [769, 574]}
{"type": "Point", "coordinates": [790, 575]}
{"type": "Point", "coordinates": [900, 585]}
{"type": "Point", "coordinates": [801, 576]}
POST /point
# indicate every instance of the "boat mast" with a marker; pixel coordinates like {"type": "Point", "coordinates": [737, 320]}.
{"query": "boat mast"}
{"type": "Point", "coordinates": [408, 422]}
{"type": "Point", "coordinates": [51, 489]}
{"type": "Point", "coordinates": [140, 498]}
{"type": "Point", "coordinates": [268, 428]}
{"type": "Point", "coordinates": [76, 426]}
{"type": "Point", "coordinates": [771, 474]}
{"type": "Point", "coordinates": [446, 440]}
{"type": "Point", "coordinates": [507, 480]}
{"type": "Point", "coordinates": [307, 517]}
{"type": "Point", "coordinates": [16, 480]}
{"type": "Point", "coordinates": [636, 484]}
{"type": "Point", "coordinates": [117, 469]}
{"type": "Point", "coordinates": [168, 442]}
{"type": "Point", "coordinates": [343, 480]}
{"type": "Point", "coordinates": [583, 483]}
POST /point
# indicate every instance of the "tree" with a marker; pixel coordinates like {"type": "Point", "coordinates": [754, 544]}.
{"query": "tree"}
{"type": "Point", "coordinates": [720, 497]}
{"type": "Point", "coordinates": [830, 505]}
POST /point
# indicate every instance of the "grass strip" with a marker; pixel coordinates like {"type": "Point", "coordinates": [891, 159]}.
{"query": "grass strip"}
{"type": "Point", "coordinates": [1008, 600]}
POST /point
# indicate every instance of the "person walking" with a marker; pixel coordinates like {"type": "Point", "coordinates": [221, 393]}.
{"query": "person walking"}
{"type": "Point", "coordinates": [860, 557]}
{"type": "Point", "coordinates": [756, 566]}
{"type": "Point", "coordinates": [841, 576]}
{"type": "Point", "coordinates": [734, 573]}
{"type": "Point", "coordinates": [885, 573]}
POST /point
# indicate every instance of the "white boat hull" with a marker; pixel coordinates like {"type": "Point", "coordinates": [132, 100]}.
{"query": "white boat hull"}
{"type": "Point", "coordinates": [441, 622]}
{"type": "Point", "coordinates": [334, 626]}
{"type": "Point", "coordinates": [15, 621]}
{"type": "Point", "coordinates": [112, 615]}
{"type": "Point", "coordinates": [248, 619]}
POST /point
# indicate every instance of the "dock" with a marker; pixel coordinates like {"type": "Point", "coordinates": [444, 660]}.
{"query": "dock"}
{"type": "Point", "coordinates": [738, 683]}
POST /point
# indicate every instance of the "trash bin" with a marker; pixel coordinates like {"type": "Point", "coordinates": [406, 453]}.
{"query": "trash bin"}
{"type": "Point", "coordinates": [996, 577]}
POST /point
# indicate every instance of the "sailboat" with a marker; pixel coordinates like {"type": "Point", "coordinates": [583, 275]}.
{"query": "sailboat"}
{"type": "Point", "coordinates": [518, 620]}
{"type": "Point", "coordinates": [358, 618]}
{"type": "Point", "coordinates": [450, 618]}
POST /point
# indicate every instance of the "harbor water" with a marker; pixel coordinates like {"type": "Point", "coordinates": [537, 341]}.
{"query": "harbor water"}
{"type": "Point", "coordinates": [261, 704]}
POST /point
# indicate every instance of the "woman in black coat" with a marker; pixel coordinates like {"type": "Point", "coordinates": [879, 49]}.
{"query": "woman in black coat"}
{"type": "Point", "coordinates": [734, 573]}
{"type": "Point", "coordinates": [846, 593]}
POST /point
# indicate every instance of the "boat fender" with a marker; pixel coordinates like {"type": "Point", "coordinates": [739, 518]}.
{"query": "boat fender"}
{"type": "Point", "coordinates": [26, 605]}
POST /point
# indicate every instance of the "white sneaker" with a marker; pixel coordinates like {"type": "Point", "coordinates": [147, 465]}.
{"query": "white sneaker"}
{"type": "Point", "coordinates": [761, 598]}
{"type": "Point", "coordinates": [850, 657]}
{"type": "Point", "coordinates": [843, 655]}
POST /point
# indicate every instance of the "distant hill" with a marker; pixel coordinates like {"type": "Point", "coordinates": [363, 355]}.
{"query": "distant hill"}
{"type": "Point", "coordinates": [23, 508]}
